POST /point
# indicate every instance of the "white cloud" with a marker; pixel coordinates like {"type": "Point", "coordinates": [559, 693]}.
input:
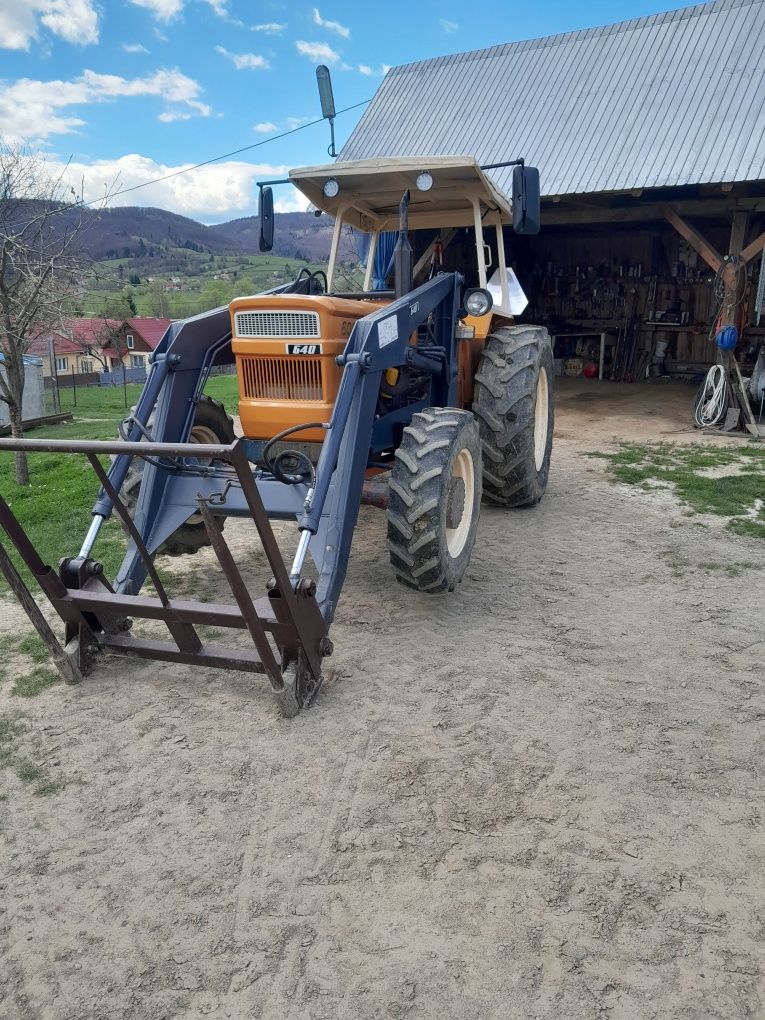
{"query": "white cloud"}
{"type": "Point", "coordinates": [332, 26]}
{"type": "Point", "coordinates": [295, 122]}
{"type": "Point", "coordinates": [265, 127]}
{"type": "Point", "coordinates": [75, 21]}
{"type": "Point", "coordinates": [244, 61]}
{"type": "Point", "coordinates": [170, 116]}
{"type": "Point", "coordinates": [134, 48]}
{"type": "Point", "coordinates": [365, 69]}
{"type": "Point", "coordinates": [34, 110]}
{"type": "Point", "coordinates": [173, 86]}
{"type": "Point", "coordinates": [18, 25]}
{"type": "Point", "coordinates": [211, 193]}
{"type": "Point", "coordinates": [386, 68]}
{"type": "Point", "coordinates": [164, 10]}
{"type": "Point", "coordinates": [29, 110]}
{"type": "Point", "coordinates": [291, 200]}
{"type": "Point", "coordinates": [269, 28]}
{"type": "Point", "coordinates": [220, 7]}
{"type": "Point", "coordinates": [318, 52]}
{"type": "Point", "coordinates": [448, 26]}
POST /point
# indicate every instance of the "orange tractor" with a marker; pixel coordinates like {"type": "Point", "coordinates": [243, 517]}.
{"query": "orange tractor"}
{"type": "Point", "coordinates": [416, 389]}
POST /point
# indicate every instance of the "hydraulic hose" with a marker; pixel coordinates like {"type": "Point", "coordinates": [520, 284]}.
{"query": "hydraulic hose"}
{"type": "Point", "coordinates": [713, 399]}
{"type": "Point", "coordinates": [306, 471]}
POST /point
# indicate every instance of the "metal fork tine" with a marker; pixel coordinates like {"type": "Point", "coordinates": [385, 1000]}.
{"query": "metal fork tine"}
{"type": "Point", "coordinates": [242, 596]}
{"type": "Point", "coordinates": [66, 667]}
{"type": "Point", "coordinates": [183, 634]}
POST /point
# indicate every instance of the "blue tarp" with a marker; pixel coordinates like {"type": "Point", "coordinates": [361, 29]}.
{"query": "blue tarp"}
{"type": "Point", "coordinates": [29, 359]}
{"type": "Point", "coordinates": [383, 264]}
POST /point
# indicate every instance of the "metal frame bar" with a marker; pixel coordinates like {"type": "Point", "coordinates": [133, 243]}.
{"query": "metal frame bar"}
{"type": "Point", "coordinates": [369, 271]}
{"type": "Point", "coordinates": [479, 243]}
{"type": "Point", "coordinates": [335, 246]}
{"type": "Point", "coordinates": [294, 614]}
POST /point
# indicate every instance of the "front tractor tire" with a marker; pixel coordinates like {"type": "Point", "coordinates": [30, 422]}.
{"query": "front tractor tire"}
{"type": "Point", "coordinates": [211, 425]}
{"type": "Point", "coordinates": [435, 499]}
{"type": "Point", "coordinates": [513, 403]}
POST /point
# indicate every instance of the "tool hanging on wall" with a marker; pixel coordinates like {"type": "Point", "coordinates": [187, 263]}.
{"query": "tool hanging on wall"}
{"type": "Point", "coordinates": [759, 301]}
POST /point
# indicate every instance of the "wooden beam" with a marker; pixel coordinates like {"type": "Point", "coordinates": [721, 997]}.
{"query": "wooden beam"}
{"type": "Point", "coordinates": [446, 236]}
{"type": "Point", "coordinates": [743, 399]}
{"type": "Point", "coordinates": [738, 231]}
{"type": "Point", "coordinates": [693, 237]}
{"type": "Point", "coordinates": [586, 214]}
{"type": "Point", "coordinates": [753, 248]}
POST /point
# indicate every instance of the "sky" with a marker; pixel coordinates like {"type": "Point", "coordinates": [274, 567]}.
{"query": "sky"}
{"type": "Point", "coordinates": [121, 92]}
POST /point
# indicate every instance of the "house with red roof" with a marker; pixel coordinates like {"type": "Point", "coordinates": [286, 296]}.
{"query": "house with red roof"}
{"type": "Point", "coordinates": [133, 341]}
{"type": "Point", "coordinates": [86, 346]}
{"type": "Point", "coordinates": [76, 346]}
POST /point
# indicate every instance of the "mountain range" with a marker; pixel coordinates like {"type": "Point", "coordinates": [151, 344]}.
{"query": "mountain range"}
{"type": "Point", "coordinates": [135, 232]}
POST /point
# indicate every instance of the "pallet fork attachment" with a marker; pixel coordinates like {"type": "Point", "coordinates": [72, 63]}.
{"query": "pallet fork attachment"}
{"type": "Point", "coordinates": [94, 614]}
{"type": "Point", "coordinates": [289, 625]}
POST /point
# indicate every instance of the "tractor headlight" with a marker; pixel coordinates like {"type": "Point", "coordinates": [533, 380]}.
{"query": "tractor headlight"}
{"type": "Point", "coordinates": [477, 301]}
{"type": "Point", "coordinates": [424, 181]}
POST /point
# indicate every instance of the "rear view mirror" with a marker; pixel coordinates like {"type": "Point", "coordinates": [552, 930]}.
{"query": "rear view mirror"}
{"type": "Point", "coordinates": [526, 201]}
{"type": "Point", "coordinates": [266, 218]}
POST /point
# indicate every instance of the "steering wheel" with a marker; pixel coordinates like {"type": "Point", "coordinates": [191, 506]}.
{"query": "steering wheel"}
{"type": "Point", "coordinates": [317, 281]}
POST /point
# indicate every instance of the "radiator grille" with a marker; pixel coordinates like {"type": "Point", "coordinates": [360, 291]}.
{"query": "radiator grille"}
{"type": "Point", "coordinates": [281, 378]}
{"type": "Point", "coordinates": [304, 325]}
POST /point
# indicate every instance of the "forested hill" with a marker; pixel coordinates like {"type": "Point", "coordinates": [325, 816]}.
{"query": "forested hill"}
{"type": "Point", "coordinates": [135, 232]}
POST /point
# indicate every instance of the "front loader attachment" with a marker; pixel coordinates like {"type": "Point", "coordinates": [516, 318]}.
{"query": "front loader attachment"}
{"type": "Point", "coordinates": [286, 627]}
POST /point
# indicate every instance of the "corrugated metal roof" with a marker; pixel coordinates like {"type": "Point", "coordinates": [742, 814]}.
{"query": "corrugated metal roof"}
{"type": "Point", "coordinates": [667, 100]}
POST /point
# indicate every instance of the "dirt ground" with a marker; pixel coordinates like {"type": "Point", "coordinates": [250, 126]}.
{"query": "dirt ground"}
{"type": "Point", "coordinates": [541, 796]}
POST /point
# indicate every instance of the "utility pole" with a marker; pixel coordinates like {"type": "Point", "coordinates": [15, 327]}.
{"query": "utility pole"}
{"type": "Point", "coordinates": [54, 375]}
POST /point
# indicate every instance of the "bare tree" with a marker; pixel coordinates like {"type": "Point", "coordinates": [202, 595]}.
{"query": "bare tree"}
{"type": "Point", "coordinates": [111, 337]}
{"type": "Point", "coordinates": [41, 225]}
{"type": "Point", "coordinates": [91, 345]}
{"type": "Point", "coordinates": [349, 274]}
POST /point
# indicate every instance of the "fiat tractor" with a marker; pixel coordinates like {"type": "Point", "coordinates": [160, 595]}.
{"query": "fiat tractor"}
{"type": "Point", "coordinates": [416, 392]}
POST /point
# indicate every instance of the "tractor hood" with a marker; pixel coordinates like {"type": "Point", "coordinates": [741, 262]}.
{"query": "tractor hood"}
{"type": "Point", "coordinates": [369, 191]}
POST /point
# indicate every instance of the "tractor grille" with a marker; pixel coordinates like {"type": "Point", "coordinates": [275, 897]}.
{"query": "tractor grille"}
{"type": "Point", "coordinates": [281, 378]}
{"type": "Point", "coordinates": [277, 324]}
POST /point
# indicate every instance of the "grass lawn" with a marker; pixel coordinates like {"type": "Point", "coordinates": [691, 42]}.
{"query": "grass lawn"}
{"type": "Point", "coordinates": [249, 274]}
{"type": "Point", "coordinates": [55, 508]}
{"type": "Point", "coordinates": [728, 481]}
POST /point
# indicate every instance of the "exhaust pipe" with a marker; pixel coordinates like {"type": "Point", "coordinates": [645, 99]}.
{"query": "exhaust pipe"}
{"type": "Point", "coordinates": [402, 253]}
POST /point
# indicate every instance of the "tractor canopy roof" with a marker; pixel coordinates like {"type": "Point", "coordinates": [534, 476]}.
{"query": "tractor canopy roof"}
{"type": "Point", "coordinates": [369, 191]}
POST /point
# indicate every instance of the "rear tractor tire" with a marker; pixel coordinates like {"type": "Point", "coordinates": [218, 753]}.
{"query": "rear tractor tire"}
{"type": "Point", "coordinates": [211, 425]}
{"type": "Point", "coordinates": [513, 403]}
{"type": "Point", "coordinates": [435, 499]}
{"type": "Point", "coordinates": [299, 690]}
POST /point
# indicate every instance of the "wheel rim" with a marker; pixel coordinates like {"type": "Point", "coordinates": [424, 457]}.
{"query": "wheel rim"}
{"type": "Point", "coordinates": [201, 434]}
{"type": "Point", "coordinates": [464, 470]}
{"type": "Point", "coordinates": [541, 419]}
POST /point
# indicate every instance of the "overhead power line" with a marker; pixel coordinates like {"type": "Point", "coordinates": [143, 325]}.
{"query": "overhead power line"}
{"type": "Point", "coordinates": [226, 155]}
